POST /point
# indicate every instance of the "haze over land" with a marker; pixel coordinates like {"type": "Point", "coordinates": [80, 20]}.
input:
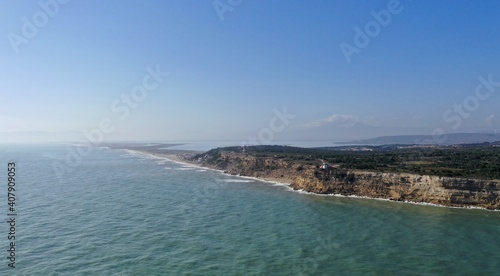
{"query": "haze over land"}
{"type": "Point", "coordinates": [451, 139]}
{"type": "Point", "coordinates": [342, 70]}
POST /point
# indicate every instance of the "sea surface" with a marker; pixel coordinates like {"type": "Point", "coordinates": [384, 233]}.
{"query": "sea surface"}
{"type": "Point", "coordinates": [118, 212]}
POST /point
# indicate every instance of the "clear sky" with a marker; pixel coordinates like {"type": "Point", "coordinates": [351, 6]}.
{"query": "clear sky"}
{"type": "Point", "coordinates": [344, 69]}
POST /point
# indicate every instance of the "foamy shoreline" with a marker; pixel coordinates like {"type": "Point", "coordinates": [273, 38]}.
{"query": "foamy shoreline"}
{"type": "Point", "coordinates": [174, 158]}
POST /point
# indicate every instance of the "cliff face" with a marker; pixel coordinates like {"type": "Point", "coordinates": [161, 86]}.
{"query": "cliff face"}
{"type": "Point", "coordinates": [406, 187]}
{"type": "Point", "coordinates": [395, 186]}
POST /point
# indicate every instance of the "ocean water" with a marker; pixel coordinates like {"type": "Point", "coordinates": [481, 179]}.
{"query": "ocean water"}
{"type": "Point", "coordinates": [121, 213]}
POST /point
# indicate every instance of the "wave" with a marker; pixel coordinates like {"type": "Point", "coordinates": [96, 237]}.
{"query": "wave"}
{"type": "Point", "coordinates": [237, 180]}
{"type": "Point", "coordinates": [393, 201]}
{"type": "Point", "coordinates": [147, 156]}
{"type": "Point", "coordinates": [140, 154]}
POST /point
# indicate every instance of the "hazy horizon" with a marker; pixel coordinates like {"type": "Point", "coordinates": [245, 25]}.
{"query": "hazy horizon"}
{"type": "Point", "coordinates": [243, 70]}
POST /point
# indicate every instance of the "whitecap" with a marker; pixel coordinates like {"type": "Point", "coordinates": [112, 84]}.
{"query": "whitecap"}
{"type": "Point", "coordinates": [237, 180]}
{"type": "Point", "coordinates": [140, 155]}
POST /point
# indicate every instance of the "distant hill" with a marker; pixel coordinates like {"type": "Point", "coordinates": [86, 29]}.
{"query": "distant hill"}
{"type": "Point", "coordinates": [448, 139]}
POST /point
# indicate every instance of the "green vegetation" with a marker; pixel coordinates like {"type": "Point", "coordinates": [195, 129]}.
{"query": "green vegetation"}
{"type": "Point", "coordinates": [480, 161]}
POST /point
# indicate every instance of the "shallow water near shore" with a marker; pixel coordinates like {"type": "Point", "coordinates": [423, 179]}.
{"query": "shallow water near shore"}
{"type": "Point", "coordinates": [116, 213]}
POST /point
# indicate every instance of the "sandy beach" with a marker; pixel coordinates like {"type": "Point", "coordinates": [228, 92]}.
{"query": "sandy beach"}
{"type": "Point", "coordinates": [182, 157]}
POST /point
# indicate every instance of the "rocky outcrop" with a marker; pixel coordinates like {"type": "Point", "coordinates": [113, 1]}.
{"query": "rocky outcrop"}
{"type": "Point", "coordinates": [446, 191]}
{"type": "Point", "coordinates": [405, 187]}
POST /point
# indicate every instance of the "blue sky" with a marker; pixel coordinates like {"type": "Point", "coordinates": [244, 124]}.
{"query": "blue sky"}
{"type": "Point", "coordinates": [227, 76]}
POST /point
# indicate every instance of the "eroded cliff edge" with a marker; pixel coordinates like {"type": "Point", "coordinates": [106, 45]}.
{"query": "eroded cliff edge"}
{"type": "Point", "coordinates": [447, 191]}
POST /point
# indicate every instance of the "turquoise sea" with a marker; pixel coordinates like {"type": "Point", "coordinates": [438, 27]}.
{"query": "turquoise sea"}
{"type": "Point", "coordinates": [116, 212]}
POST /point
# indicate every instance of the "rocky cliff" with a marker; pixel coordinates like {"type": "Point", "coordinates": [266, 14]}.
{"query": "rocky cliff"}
{"type": "Point", "coordinates": [459, 192]}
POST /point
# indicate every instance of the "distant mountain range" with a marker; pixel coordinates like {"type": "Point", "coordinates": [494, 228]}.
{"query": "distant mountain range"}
{"type": "Point", "coordinates": [447, 139]}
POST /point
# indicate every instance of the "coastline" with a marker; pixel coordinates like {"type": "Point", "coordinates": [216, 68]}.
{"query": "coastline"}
{"type": "Point", "coordinates": [184, 159]}
{"type": "Point", "coordinates": [179, 159]}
